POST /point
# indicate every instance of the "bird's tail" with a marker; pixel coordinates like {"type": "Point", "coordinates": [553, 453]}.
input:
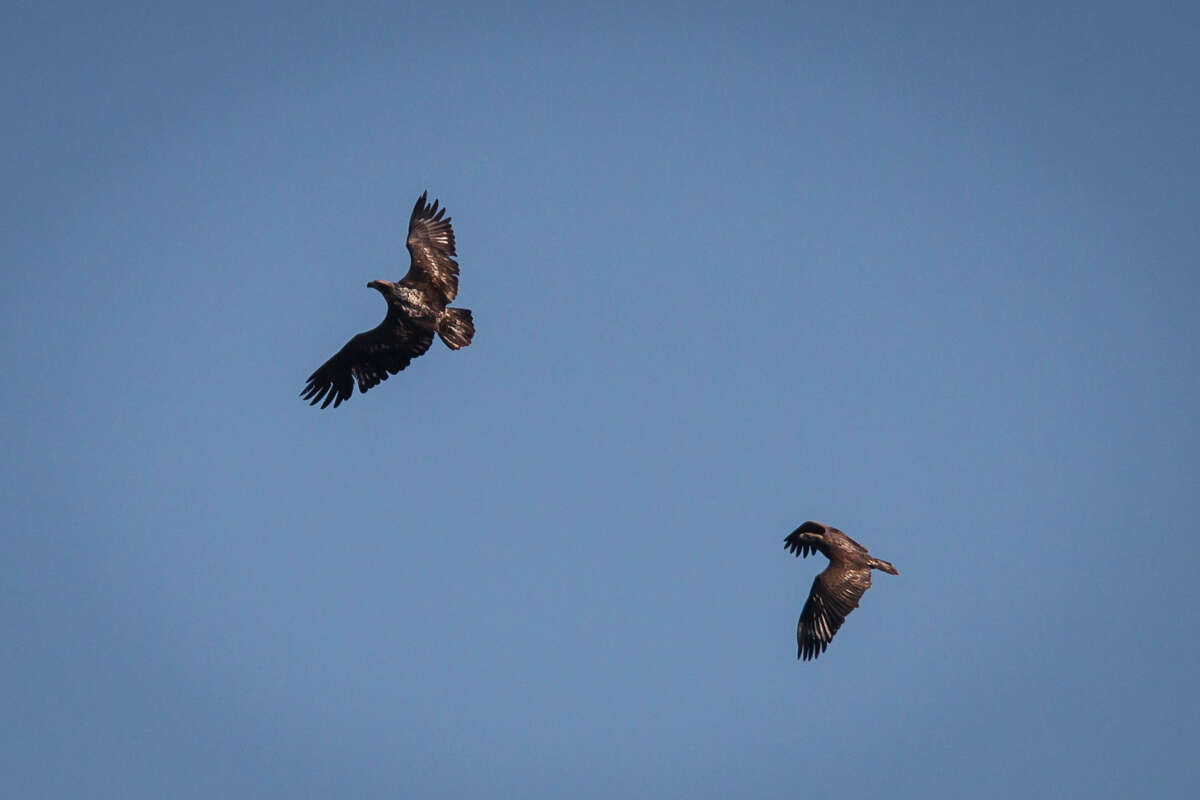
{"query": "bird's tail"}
{"type": "Point", "coordinates": [456, 327]}
{"type": "Point", "coordinates": [886, 566]}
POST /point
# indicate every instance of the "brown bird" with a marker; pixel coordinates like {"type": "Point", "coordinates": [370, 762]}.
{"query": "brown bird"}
{"type": "Point", "coordinates": [837, 590]}
{"type": "Point", "coordinates": [418, 307]}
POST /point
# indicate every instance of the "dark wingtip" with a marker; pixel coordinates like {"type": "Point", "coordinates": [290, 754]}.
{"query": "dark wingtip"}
{"type": "Point", "coordinates": [420, 204]}
{"type": "Point", "coordinates": [809, 650]}
{"type": "Point", "coordinates": [802, 547]}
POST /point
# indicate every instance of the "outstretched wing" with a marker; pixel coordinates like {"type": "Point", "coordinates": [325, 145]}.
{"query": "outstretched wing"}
{"type": "Point", "coordinates": [431, 246]}
{"type": "Point", "coordinates": [835, 593]}
{"type": "Point", "coordinates": [807, 539]}
{"type": "Point", "coordinates": [368, 358]}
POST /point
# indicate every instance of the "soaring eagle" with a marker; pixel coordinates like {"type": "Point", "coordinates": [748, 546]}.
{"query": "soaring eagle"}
{"type": "Point", "coordinates": [837, 590]}
{"type": "Point", "coordinates": [418, 307]}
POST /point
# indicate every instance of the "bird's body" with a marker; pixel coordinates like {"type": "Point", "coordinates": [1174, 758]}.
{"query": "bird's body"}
{"type": "Point", "coordinates": [837, 590]}
{"type": "Point", "coordinates": [418, 303]}
{"type": "Point", "coordinates": [418, 308]}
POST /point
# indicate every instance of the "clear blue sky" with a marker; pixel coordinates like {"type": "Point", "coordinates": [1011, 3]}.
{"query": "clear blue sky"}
{"type": "Point", "coordinates": [926, 273]}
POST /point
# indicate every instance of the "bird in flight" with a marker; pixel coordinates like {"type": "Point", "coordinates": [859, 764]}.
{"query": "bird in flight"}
{"type": "Point", "coordinates": [837, 590]}
{"type": "Point", "coordinates": [418, 307]}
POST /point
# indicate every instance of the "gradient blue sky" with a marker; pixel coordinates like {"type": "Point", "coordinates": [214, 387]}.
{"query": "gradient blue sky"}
{"type": "Point", "coordinates": [926, 273]}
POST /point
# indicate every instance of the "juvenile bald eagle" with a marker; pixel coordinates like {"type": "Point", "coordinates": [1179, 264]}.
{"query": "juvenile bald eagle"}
{"type": "Point", "coordinates": [837, 590]}
{"type": "Point", "coordinates": [418, 307]}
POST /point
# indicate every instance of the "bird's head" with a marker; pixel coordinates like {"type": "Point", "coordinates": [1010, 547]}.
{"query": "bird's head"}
{"type": "Point", "coordinates": [383, 287]}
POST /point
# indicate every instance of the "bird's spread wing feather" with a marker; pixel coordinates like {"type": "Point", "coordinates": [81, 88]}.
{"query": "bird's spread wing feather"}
{"type": "Point", "coordinates": [431, 246]}
{"type": "Point", "coordinates": [835, 593]}
{"type": "Point", "coordinates": [807, 539]}
{"type": "Point", "coordinates": [368, 358]}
